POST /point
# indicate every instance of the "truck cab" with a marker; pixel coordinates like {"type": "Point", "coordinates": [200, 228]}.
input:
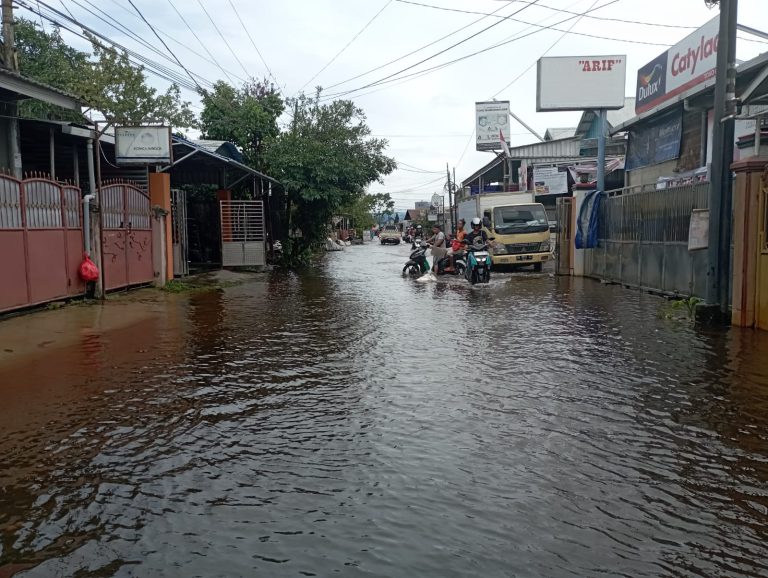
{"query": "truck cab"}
{"type": "Point", "coordinates": [521, 234]}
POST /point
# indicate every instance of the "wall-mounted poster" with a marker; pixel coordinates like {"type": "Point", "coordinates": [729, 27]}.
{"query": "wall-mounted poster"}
{"type": "Point", "coordinates": [656, 141]}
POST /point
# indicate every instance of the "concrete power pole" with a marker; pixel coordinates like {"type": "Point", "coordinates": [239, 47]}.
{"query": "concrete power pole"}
{"type": "Point", "coordinates": [720, 187]}
{"type": "Point", "coordinates": [11, 63]}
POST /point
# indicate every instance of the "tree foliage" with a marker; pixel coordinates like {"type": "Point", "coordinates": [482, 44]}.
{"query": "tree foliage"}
{"type": "Point", "coordinates": [246, 116]}
{"type": "Point", "coordinates": [367, 210]}
{"type": "Point", "coordinates": [105, 79]}
{"type": "Point", "coordinates": [324, 160]}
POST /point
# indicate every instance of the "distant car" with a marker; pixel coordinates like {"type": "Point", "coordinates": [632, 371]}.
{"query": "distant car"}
{"type": "Point", "coordinates": [389, 234]}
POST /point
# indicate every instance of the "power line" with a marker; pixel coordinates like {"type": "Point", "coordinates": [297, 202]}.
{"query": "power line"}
{"type": "Point", "coordinates": [555, 43]}
{"type": "Point", "coordinates": [151, 66]}
{"type": "Point", "coordinates": [332, 60]}
{"type": "Point", "coordinates": [121, 28]}
{"type": "Point", "coordinates": [404, 56]}
{"type": "Point", "coordinates": [223, 38]}
{"type": "Point", "coordinates": [586, 34]}
{"type": "Point", "coordinates": [443, 51]}
{"type": "Point", "coordinates": [604, 18]}
{"type": "Point", "coordinates": [176, 58]}
{"type": "Point", "coordinates": [208, 52]}
{"type": "Point", "coordinates": [272, 76]}
{"type": "Point", "coordinates": [388, 80]}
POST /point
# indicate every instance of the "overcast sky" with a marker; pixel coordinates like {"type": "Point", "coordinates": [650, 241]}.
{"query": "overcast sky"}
{"type": "Point", "coordinates": [427, 118]}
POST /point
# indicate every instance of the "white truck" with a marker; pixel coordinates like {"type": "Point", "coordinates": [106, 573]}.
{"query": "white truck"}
{"type": "Point", "coordinates": [518, 225]}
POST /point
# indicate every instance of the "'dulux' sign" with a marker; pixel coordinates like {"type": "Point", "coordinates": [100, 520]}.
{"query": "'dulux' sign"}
{"type": "Point", "coordinates": [689, 63]}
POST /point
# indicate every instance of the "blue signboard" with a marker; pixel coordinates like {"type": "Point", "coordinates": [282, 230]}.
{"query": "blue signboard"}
{"type": "Point", "coordinates": [656, 141]}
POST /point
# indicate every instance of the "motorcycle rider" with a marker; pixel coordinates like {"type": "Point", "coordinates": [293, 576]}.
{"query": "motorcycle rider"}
{"type": "Point", "coordinates": [437, 240]}
{"type": "Point", "coordinates": [477, 231]}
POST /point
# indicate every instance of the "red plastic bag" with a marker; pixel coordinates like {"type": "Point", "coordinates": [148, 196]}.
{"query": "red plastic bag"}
{"type": "Point", "coordinates": [89, 272]}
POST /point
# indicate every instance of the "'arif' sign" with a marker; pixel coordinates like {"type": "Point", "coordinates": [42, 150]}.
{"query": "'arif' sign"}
{"type": "Point", "coordinates": [684, 66]}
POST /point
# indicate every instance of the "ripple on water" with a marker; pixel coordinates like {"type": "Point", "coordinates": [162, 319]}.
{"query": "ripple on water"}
{"type": "Point", "coordinates": [351, 421]}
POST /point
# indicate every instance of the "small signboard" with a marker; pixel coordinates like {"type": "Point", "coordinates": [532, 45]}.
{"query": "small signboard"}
{"type": "Point", "coordinates": [550, 181]}
{"type": "Point", "coordinates": [492, 120]}
{"type": "Point", "coordinates": [698, 231]}
{"type": "Point", "coordinates": [143, 144]}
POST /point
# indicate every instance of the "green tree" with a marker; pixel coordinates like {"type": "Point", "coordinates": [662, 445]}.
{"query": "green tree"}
{"type": "Point", "coordinates": [381, 205]}
{"type": "Point", "coordinates": [246, 116]}
{"type": "Point", "coordinates": [105, 79]}
{"type": "Point", "coordinates": [324, 160]}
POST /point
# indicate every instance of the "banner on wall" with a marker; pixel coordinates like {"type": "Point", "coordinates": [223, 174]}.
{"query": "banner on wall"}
{"type": "Point", "coordinates": [656, 141]}
{"type": "Point", "coordinates": [550, 180]}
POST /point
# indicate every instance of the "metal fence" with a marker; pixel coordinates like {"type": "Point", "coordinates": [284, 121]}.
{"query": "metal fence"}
{"type": "Point", "coordinates": [643, 240]}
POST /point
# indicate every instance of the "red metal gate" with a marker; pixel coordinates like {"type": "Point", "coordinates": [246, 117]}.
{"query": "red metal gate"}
{"type": "Point", "coordinates": [126, 247]}
{"type": "Point", "coordinates": [41, 242]}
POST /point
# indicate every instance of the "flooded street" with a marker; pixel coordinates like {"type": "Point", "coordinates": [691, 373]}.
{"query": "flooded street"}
{"type": "Point", "coordinates": [352, 422]}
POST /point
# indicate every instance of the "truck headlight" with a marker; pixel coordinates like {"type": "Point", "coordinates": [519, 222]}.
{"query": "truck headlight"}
{"type": "Point", "coordinates": [544, 246]}
{"type": "Point", "coordinates": [499, 249]}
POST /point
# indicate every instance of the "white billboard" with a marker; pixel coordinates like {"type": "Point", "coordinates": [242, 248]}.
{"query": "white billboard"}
{"type": "Point", "coordinates": [142, 144]}
{"type": "Point", "coordinates": [581, 83]}
{"type": "Point", "coordinates": [492, 120]}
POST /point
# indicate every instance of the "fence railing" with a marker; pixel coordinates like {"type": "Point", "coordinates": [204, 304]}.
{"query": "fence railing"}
{"type": "Point", "coordinates": [643, 239]}
{"type": "Point", "coordinates": [651, 215]}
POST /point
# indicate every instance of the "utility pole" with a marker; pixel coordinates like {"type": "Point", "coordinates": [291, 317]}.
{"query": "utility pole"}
{"type": "Point", "coordinates": [450, 199]}
{"type": "Point", "coordinates": [11, 109]}
{"type": "Point", "coordinates": [602, 128]}
{"type": "Point", "coordinates": [720, 185]}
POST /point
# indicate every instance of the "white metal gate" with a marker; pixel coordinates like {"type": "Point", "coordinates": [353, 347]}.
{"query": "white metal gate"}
{"type": "Point", "coordinates": [179, 235]}
{"type": "Point", "coordinates": [242, 234]}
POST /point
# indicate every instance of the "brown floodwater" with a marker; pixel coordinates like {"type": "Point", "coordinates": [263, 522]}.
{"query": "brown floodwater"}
{"type": "Point", "coordinates": [351, 422]}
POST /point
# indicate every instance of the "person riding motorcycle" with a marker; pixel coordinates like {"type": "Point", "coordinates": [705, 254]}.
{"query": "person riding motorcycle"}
{"type": "Point", "coordinates": [477, 231]}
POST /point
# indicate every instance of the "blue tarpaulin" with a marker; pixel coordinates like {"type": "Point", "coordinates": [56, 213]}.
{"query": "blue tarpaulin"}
{"type": "Point", "coordinates": [587, 221]}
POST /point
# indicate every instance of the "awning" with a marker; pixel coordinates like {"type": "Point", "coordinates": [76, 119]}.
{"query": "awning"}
{"type": "Point", "coordinates": [192, 161]}
{"type": "Point", "coordinates": [21, 86]}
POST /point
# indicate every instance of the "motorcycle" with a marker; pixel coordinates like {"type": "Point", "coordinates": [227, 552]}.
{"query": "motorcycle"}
{"type": "Point", "coordinates": [417, 263]}
{"type": "Point", "coordinates": [459, 264]}
{"type": "Point", "coordinates": [478, 267]}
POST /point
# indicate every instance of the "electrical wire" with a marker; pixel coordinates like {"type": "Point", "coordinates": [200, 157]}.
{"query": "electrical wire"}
{"type": "Point", "coordinates": [404, 56]}
{"type": "Point", "coordinates": [444, 50]}
{"type": "Point", "coordinates": [256, 48]}
{"type": "Point", "coordinates": [205, 47]}
{"type": "Point", "coordinates": [585, 34]}
{"type": "Point", "coordinates": [332, 60]}
{"type": "Point", "coordinates": [555, 43]}
{"type": "Point", "coordinates": [425, 71]}
{"type": "Point", "coordinates": [150, 65]}
{"type": "Point", "coordinates": [563, 10]}
{"type": "Point", "coordinates": [176, 58]}
{"type": "Point", "coordinates": [121, 28]}
{"type": "Point", "coordinates": [226, 42]}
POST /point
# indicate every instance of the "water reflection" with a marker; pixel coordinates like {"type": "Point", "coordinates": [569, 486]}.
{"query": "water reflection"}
{"type": "Point", "coordinates": [349, 421]}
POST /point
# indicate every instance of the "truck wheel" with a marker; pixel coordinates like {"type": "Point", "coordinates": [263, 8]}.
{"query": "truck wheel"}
{"type": "Point", "coordinates": [537, 267]}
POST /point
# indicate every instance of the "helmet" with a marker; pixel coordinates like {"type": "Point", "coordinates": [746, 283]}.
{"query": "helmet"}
{"type": "Point", "coordinates": [476, 222]}
{"type": "Point", "coordinates": [418, 227]}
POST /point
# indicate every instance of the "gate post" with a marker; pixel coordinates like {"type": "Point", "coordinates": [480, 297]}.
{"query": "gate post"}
{"type": "Point", "coordinates": [160, 196]}
{"type": "Point", "coordinates": [747, 228]}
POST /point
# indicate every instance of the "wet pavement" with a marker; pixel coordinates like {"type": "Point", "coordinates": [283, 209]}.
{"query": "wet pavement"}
{"type": "Point", "coordinates": [352, 422]}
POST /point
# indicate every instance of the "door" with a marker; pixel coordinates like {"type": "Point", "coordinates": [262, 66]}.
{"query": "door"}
{"type": "Point", "coordinates": [761, 287]}
{"type": "Point", "coordinates": [180, 237]}
{"type": "Point", "coordinates": [242, 234]}
{"type": "Point", "coordinates": [564, 236]}
{"type": "Point", "coordinates": [126, 236]}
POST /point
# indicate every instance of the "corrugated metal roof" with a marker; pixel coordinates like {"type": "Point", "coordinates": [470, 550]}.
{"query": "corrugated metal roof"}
{"type": "Point", "coordinates": [31, 88]}
{"type": "Point", "coordinates": [561, 149]}
{"type": "Point", "coordinates": [559, 132]}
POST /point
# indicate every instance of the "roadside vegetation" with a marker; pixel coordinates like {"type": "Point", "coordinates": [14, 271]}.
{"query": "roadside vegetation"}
{"type": "Point", "coordinates": [320, 150]}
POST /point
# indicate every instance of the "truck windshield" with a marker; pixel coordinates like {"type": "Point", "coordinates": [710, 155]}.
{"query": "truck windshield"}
{"type": "Point", "coordinates": [520, 219]}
